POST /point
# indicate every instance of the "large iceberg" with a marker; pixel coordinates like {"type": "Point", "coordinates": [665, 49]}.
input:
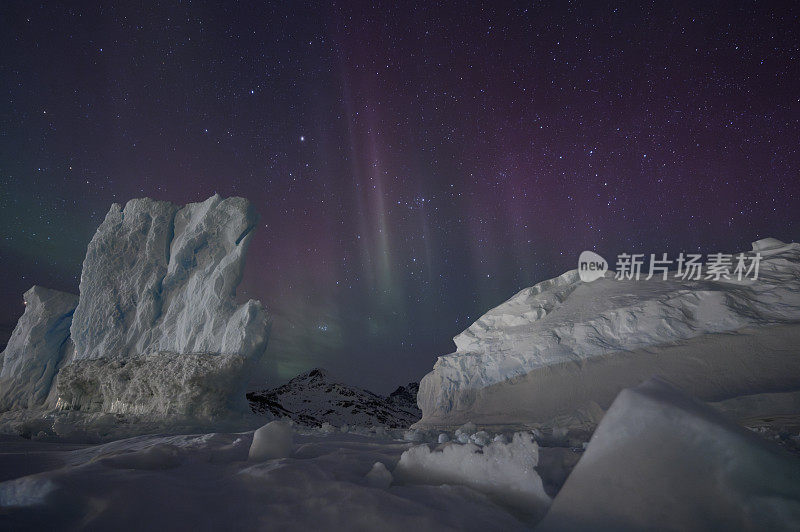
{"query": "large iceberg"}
{"type": "Point", "coordinates": [158, 278]}
{"type": "Point", "coordinates": [37, 346]}
{"type": "Point", "coordinates": [159, 282]}
{"type": "Point", "coordinates": [156, 331]}
{"type": "Point", "coordinates": [661, 460]}
{"type": "Point", "coordinates": [560, 351]}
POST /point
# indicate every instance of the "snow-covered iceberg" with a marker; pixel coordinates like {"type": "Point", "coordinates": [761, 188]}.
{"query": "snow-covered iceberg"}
{"type": "Point", "coordinates": [159, 278]}
{"type": "Point", "coordinates": [505, 471]}
{"type": "Point", "coordinates": [37, 346]}
{"type": "Point", "coordinates": [156, 331]}
{"type": "Point", "coordinates": [662, 460]}
{"type": "Point", "coordinates": [564, 348]}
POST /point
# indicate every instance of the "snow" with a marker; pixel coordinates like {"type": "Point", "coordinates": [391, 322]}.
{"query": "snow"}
{"type": "Point", "coordinates": [36, 348]}
{"type": "Point", "coordinates": [413, 435]}
{"type": "Point", "coordinates": [327, 428]}
{"type": "Point", "coordinates": [26, 491]}
{"type": "Point", "coordinates": [273, 440]}
{"type": "Point", "coordinates": [205, 481]}
{"type": "Point", "coordinates": [379, 476]}
{"type": "Point", "coordinates": [463, 433]}
{"type": "Point", "coordinates": [481, 438]}
{"type": "Point", "coordinates": [501, 438]}
{"type": "Point", "coordinates": [505, 471]}
{"type": "Point", "coordinates": [660, 459]}
{"type": "Point", "coordinates": [560, 351]}
{"type": "Point", "coordinates": [766, 244]}
{"type": "Point", "coordinates": [657, 460]}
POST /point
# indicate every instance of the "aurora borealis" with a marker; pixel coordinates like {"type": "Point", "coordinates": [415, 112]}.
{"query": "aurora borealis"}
{"type": "Point", "coordinates": [413, 164]}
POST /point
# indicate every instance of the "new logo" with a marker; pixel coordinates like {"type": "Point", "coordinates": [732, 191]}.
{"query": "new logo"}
{"type": "Point", "coordinates": [591, 266]}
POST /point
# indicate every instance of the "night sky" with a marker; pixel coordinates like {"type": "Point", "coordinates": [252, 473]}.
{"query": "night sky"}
{"type": "Point", "coordinates": [414, 165]}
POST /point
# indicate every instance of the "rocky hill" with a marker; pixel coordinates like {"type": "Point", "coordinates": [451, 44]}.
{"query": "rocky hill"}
{"type": "Point", "coordinates": [312, 398]}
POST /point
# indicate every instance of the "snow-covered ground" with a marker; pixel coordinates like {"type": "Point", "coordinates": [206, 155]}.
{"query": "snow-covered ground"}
{"type": "Point", "coordinates": [658, 460]}
{"type": "Point", "coordinates": [326, 479]}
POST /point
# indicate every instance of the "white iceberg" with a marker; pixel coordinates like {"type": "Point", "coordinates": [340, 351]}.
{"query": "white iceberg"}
{"type": "Point", "coordinates": [159, 278]}
{"type": "Point", "coordinates": [564, 348]}
{"type": "Point", "coordinates": [505, 471]}
{"type": "Point", "coordinates": [157, 331]}
{"type": "Point", "coordinates": [661, 460]}
{"type": "Point", "coordinates": [38, 345]}
{"type": "Point", "coordinates": [273, 440]}
{"type": "Point", "coordinates": [379, 476]}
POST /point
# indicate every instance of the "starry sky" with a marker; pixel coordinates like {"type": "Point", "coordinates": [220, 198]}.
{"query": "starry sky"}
{"type": "Point", "coordinates": [414, 164]}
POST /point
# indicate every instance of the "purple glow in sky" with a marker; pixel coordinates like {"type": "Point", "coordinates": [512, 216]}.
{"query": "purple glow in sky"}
{"type": "Point", "coordinates": [414, 164]}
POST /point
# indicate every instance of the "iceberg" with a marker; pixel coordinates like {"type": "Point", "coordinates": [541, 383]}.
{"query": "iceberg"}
{"type": "Point", "coordinates": [505, 471]}
{"type": "Point", "coordinates": [662, 460]}
{"type": "Point", "coordinates": [273, 440]}
{"type": "Point", "coordinates": [158, 278]}
{"type": "Point", "coordinates": [36, 348]}
{"type": "Point", "coordinates": [156, 333]}
{"type": "Point", "coordinates": [157, 330]}
{"type": "Point", "coordinates": [564, 348]}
